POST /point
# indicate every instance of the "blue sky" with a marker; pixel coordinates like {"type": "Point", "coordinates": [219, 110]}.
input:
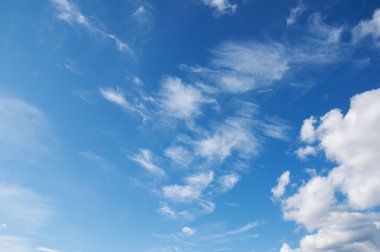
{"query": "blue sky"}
{"type": "Point", "coordinates": [197, 125]}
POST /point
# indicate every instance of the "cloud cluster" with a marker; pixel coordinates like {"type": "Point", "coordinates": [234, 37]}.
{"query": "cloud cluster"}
{"type": "Point", "coordinates": [349, 222]}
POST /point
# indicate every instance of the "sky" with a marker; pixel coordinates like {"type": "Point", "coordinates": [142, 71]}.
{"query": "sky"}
{"type": "Point", "coordinates": [189, 126]}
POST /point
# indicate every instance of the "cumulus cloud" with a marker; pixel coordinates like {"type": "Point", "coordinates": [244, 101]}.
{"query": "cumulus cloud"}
{"type": "Point", "coordinates": [70, 13]}
{"type": "Point", "coordinates": [221, 7]}
{"type": "Point", "coordinates": [145, 159]}
{"type": "Point", "coordinates": [188, 231]}
{"type": "Point", "coordinates": [179, 100]}
{"type": "Point", "coordinates": [307, 134]}
{"type": "Point", "coordinates": [279, 190]}
{"type": "Point", "coordinates": [305, 152]}
{"type": "Point", "coordinates": [229, 181]}
{"type": "Point", "coordinates": [368, 28]}
{"type": "Point", "coordinates": [192, 191]}
{"type": "Point", "coordinates": [348, 222]}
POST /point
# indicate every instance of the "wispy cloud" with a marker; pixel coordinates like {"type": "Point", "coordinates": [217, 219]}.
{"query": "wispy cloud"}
{"type": "Point", "coordinates": [295, 13]}
{"type": "Point", "coordinates": [192, 190]}
{"type": "Point", "coordinates": [44, 249]}
{"type": "Point", "coordinates": [14, 244]}
{"type": "Point", "coordinates": [179, 155]}
{"type": "Point", "coordinates": [24, 129]}
{"type": "Point", "coordinates": [246, 228]}
{"type": "Point", "coordinates": [228, 181]}
{"type": "Point", "coordinates": [368, 28]}
{"type": "Point", "coordinates": [70, 13]}
{"type": "Point", "coordinates": [180, 100]}
{"type": "Point", "coordinates": [145, 159]}
{"type": "Point", "coordinates": [233, 135]}
{"type": "Point", "coordinates": [240, 67]}
{"type": "Point", "coordinates": [24, 209]}
{"type": "Point", "coordinates": [116, 96]}
{"type": "Point", "coordinates": [221, 7]}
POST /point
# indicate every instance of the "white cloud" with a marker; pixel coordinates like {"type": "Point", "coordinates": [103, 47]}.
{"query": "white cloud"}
{"type": "Point", "coordinates": [24, 209]}
{"type": "Point", "coordinates": [246, 228]}
{"type": "Point", "coordinates": [282, 182]}
{"type": "Point", "coordinates": [275, 128]}
{"type": "Point", "coordinates": [200, 180]}
{"type": "Point", "coordinates": [179, 155]}
{"type": "Point", "coordinates": [368, 28]}
{"type": "Point", "coordinates": [245, 66]}
{"type": "Point", "coordinates": [221, 7]}
{"type": "Point", "coordinates": [44, 249]}
{"type": "Point", "coordinates": [70, 13]}
{"type": "Point", "coordinates": [295, 13]}
{"type": "Point", "coordinates": [179, 100]}
{"type": "Point", "coordinates": [13, 244]}
{"type": "Point", "coordinates": [115, 96]}
{"type": "Point", "coordinates": [181, 193]}
{"type": "Point", "coordinates": [188, 231]}
{"type": "Point", "coordinates": [23, 129]}
{"type": "Point", "coordinates": [320, 29]}
{"type": "Point", "coordinates": [307, 134]}
{"type": "Point", "coordinates": [307, 151]}
{"type": "Point", "coordinates": [169, 212]}
{"type": "Point", "coordinates": [232, 135]}
{"type": "Point", "coordinates": [192, 191]}
{"type": "Point", "coordinates": [145, 159]}
{"type": "Point", "coordinates": [348, 222]}
{"type": "Point", "coordinates": [229, 181]}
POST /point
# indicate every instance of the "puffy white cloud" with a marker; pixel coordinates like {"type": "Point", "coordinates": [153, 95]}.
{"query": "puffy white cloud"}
{"type": "Point", "coordinates": [307, 151]}
{"type": "Point", "coordinates": [229, 181]}
{"type": "Point", "coordinates": [295, 13]}
{"type": "Point", "coordinates": [307, 134]}
{"type": "Point", "coordinates": [221, 6]}
{"type": "Point", "coordinates": [348, 222]}
{"type": "Point", "coordinates": [188, 231]}
{"type": "Point", "coordinates": [179, 100]}
{"type": "Point", "coordinates": [368, 28]}
{"type": "Point", "coordinates": [181, 193]}
{"type": "Point", "coordinates": [70, 13]}
{"type": "Point", "coordinates": [192, 191]}
{"type": "Point", "coordinates": [280, 188]}
{"type": "Point", "coordinates": [145, 159]}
